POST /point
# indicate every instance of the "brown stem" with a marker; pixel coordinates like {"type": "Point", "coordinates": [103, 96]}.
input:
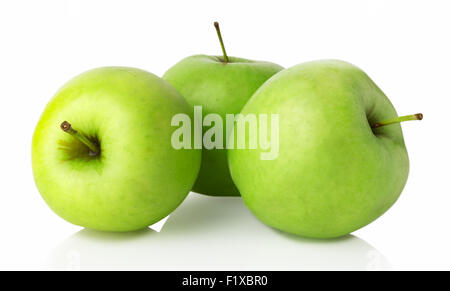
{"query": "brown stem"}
{"type": "Point", "coordinates": [225, 57]}
{"type": "Point", "coordinates": [67, 127]}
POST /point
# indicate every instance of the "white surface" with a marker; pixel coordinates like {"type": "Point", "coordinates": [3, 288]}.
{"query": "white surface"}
{"type": "Point", "coordinates": [402, 45]}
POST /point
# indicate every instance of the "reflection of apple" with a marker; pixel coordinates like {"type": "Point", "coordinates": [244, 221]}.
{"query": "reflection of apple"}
{"type": "Point", "coordinates": [221, 85]}
{"type": "Point", "coordinates": [231, 239]}
{"type": "Point", "coordinates": [116, 170]}
{"type": "Point", "coordinates": [342, 159]}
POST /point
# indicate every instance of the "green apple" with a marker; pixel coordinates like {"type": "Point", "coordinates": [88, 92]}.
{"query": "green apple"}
{"type": "Point", "coordinates": [221, 85]}
{"type": "Point", "coordinates": [342, 159]}
{"type": "Point", "coordinates": [111, 165]}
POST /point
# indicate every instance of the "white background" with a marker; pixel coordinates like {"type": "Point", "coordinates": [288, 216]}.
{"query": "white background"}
{"type": "Point", "coordinates": [403, 45]}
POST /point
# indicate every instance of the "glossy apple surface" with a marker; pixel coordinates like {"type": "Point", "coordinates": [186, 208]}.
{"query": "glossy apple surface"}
{"type": "Point", "coordinates": [137, 178]}
{"type": "Point", "coordinates": [221, 88]}
{"type": "Point", "coordinates": [334, 173]}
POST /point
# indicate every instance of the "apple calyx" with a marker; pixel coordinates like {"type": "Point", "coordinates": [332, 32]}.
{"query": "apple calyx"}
{"type": "Point", "coordinates": [225, 56]}
{"type": "Point", "coordinates": [67, 127]}
{"type": "Point", "coordinates": [417, 116]}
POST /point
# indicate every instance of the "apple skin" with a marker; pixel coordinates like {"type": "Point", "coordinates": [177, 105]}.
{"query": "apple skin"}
{"type": "Point", "coordinates": [138, 178]}
{"type": "Point", "coordinates": [334, 174]}
{"type": "Point", "coordinates": [221, 88]}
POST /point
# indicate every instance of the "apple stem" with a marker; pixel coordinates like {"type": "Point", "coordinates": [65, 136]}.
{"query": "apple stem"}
{"type": "Point", "coordinates": [67, 127]}
{"type": "Point", "coordinates": [225, 57]}
{"type": "Point", "coordinates": [418, 116]}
